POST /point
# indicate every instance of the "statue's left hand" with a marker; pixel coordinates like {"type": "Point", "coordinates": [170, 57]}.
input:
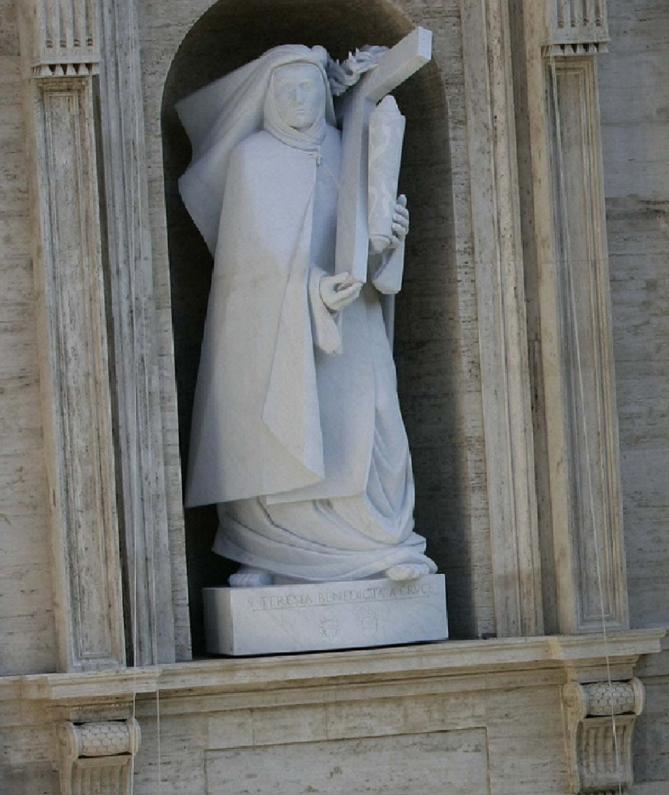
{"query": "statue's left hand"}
{"type": "Point", "coordinates": [342, 75]}
{"type": "Point", "coordinates": [338, 291]}
{"type": "Point", "coordinates": [400, 225]}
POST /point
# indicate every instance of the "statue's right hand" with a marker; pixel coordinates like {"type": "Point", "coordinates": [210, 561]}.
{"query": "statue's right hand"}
{"type": "Point", "coordinates": [339, 291]}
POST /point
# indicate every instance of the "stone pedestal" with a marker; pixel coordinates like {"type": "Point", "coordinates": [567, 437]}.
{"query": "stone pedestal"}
{"type": "Point", "coordinates": [315, 617]}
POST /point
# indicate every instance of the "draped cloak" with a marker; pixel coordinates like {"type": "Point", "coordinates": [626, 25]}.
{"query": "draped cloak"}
{"type": "Point", "coordinates": [296, 429]}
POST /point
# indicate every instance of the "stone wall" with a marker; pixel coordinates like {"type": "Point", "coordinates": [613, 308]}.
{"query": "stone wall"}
{"type": "Point", "coordinates": [497, 705]}
{"type": "Point", "coordinates": [634, 86]}
{"type": "Point", "coordinates": [26, 616]}
{"type": "Point", "coordinates": [464, 718]}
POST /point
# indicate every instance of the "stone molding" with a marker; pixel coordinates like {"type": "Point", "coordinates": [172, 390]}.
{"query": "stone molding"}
{"type": "Point", "coordinates": [593, 544]}
{"type": "Point", "coordinates": [64, 37]}
{"type": "Point", "coordinates": [505, 379]}
{"type": "Point", "coordinates": [600, 728]}
{"type": "Point", "coordinates": [157, 591]}
{"type": "Point", "coordinates": [575, 27]}
{"type": "Point", "coordinates": [507, 662]}
{"type": "Point", "coordinates": [84, 107]}
{"type": "Point", "coordinates": [297, 694]}
{"type": "Point", "coordinates": [298, 697]}
{"type": "Point", "coordinates": [98, 757]}
{"type": "Point", "coordinates": [574, 401]}
{"type": "Point", "coordinates": [606, 698]}
{"type": "Point", "coordinates": [74, 373]}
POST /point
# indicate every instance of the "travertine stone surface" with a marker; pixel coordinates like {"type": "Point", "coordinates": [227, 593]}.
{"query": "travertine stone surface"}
{"type": "Point", "coordinates": [152, 522]}
{"type": "Point", "coordinates": [375, 765]}
{"type": "Point", "coordinates": [600, 728]}
{"type": "Point", "coordinates": [575, 27]}
{"type": "Point", "coordinates": [499, 700]}
{"type": "Point", "coordinates": [588, 524]}
{"type": "Point", "coordinates": [26, 611]}
{"type": "Point", "coordinates": [98, 757]}
{"type": "Point", "coordinates": [635, 141]}
{"type": "Point", "coordinates": [59, 59]}
{"type": "Point", "coordinates": [515, 693]}
{"type": "Point", "coordinates": [566, 276]}
{"type": "Point", "coordinates": [634, 93]}
{"type": "Point", "coordinates": [651, 738]}
{"type": "Point", "coordinates": [505, 378]}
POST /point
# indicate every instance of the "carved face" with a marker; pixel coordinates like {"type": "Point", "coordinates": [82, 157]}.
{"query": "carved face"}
{"type": "Point", "coordinates": [300, 94]}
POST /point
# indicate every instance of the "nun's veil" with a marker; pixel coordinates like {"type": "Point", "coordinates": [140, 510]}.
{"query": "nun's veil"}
{"type": "Point", "coordinates": [221, 115]}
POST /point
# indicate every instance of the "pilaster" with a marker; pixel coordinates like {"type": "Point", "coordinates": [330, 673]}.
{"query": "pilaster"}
{"type": "Point", "coordinates": [505, 380]}
{"type": "Point", "coordinates": [575, 418]}
{"type": "Point", "coordinates": [154, 557]}
{"type": "Point", "coordinates": [59, 44]}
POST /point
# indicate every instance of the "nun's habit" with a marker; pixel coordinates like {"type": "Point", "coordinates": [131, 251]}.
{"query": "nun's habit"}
{"type": "Point", "coordinates": [296, 432]}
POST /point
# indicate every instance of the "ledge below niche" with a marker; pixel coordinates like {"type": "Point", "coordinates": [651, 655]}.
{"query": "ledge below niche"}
{"type": "Point", "coordinates": [581, 658]}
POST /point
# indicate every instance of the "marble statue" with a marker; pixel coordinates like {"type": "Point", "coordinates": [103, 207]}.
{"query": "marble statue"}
{"type": "Point", "coordinates": [297, 435]}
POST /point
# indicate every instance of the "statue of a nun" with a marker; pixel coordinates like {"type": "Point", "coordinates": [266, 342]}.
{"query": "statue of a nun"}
{"type": "Point", "coordinates": [296, 433]}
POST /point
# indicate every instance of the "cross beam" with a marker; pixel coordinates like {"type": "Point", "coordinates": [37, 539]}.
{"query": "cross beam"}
{"type": "Point", "coordinates": [396, 66]}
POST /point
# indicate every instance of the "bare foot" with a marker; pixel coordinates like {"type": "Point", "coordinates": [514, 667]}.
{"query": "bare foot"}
{"type": "Point", "coordinates": [248, 577]}
{"type": "Point", "coordinates": [407, 571]}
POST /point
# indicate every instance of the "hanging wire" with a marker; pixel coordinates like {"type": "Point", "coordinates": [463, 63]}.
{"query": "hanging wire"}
{"type": "Point", "coordinates": [583, 413]}
{"type": "Point", "coordinates": [132, 247]}
{"type": "Point", "coordinates": [154, 647]}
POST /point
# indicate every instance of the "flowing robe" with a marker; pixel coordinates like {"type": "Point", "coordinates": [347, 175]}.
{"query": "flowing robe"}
{"type": "Point", "coordinates": [297, 432]}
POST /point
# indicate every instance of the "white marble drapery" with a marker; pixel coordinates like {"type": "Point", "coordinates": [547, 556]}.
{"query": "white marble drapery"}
{"type": "Point", "coordinates": [296, 432]}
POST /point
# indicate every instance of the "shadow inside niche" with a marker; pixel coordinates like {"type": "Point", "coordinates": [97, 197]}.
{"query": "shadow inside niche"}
{"type": "Point", "coordinates": [226, 37]}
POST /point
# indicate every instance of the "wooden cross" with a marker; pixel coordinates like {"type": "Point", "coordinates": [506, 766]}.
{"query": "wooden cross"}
{"type": "Point", "coordinates": [396, 66]}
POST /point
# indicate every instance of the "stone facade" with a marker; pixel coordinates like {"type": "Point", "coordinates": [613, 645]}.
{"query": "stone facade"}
{"type": "Point", "coordinates": [635, 135]}
{"type": "Point", "coordinates": [530, 153]}
{"type": "Point", "coordinates": [26, 593]}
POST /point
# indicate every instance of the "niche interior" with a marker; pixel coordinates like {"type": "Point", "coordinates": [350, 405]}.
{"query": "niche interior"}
{"type": "Point", "coordinates": [230, 34]}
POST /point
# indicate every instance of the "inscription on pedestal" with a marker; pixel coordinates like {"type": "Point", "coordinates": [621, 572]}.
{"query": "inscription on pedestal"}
{"type": "Point", "coordinates": [290, 618]}
{"type": "Point", "coordinates": [369, 593]}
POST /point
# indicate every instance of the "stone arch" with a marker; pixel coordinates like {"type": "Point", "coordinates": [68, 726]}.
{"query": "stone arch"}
{"type": "Point", "coordinates": [228, 34]}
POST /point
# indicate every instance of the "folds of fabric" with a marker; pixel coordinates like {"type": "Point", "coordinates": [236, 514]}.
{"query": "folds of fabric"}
{"type": "Point", "coordinates": [296, 433]}
{"type": "Point", "coordinates": [274, 414]}
{"type": "Point", "coordinates": [256, 425]}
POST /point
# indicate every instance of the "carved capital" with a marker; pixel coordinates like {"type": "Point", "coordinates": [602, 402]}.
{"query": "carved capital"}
{"type": "Point", "coordinates": [64, 37]}
{"type": "Point", "coordinates": [575, 27]}
{"type": "Point", "coordinates": [98, 757]}
{"type": "Point", "coordinates": [600, 726]}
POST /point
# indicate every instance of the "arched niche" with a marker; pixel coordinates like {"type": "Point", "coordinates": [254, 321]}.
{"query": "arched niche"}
{"type": "Point", "coordinates": [229, 34]}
